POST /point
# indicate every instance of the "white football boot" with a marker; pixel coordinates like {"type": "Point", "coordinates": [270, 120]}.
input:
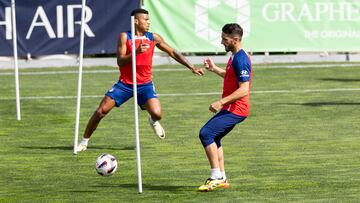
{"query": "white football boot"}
{"type": "Point", "coordinates": [158, 129]}
{"type": "Point", "coordinates": [81, 147]}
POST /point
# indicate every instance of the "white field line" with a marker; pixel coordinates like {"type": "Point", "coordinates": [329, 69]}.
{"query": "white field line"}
{"type": "Point", "coordinates": [308, 65]}
{"type": "Point", "coordinates": [185, 69]}
{"type": "Point", "coordinates": [87, 72]}
{"type": "Point", "coordinates": [194, 94]}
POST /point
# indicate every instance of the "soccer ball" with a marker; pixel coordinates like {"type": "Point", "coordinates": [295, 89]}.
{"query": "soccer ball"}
{"type": "Point", "coordinates": [106, 165]}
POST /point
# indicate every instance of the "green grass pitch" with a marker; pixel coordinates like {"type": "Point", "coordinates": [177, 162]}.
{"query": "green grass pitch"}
{"type": "Point", "coordinates": [300, 144]}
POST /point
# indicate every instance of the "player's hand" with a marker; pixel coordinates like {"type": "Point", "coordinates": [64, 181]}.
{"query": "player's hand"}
{"type": "Point", "coordinates": [143, 47]}
{"type": "Point", "coordinates": [216, 106]}
{"type": "Point", "coordinates": [198, 71]}
{"type": "Point", "coordinates": [209, 64]}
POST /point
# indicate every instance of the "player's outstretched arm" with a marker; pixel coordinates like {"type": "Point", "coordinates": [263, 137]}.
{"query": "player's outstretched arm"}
{"type": "Point", "coordinates": [210, 66]}
{"type": "Point", "coordinates": [163, 46]}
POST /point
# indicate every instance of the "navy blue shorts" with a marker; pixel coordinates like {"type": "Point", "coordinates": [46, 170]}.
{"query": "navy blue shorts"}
{"type": "Point", "coordinates": [218, 126]}
{"type": "Point", "coordinates": [121, 92]}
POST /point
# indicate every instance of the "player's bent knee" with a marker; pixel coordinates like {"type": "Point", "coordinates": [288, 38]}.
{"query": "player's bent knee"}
{"type": "Point", "coordinates": [206, 136]}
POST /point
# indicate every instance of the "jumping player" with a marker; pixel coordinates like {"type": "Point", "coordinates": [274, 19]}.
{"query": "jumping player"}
{"type": "Point", "coordinates": [121, 91]}
{"type": "Point", "coordinates": [231, 109]}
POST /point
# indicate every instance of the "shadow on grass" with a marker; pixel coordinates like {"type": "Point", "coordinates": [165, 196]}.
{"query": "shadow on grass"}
{"type": "Point", "coordinates": [319, 104]}
{"type": "Point", "coordinates": [150, 187]}
{"type": "Point", "coordinates": [341, 79]}
{"type": "Point", "coordinates": [67, 148]}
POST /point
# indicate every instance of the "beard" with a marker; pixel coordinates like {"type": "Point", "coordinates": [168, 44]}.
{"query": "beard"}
{"type": "Point", "coordinates": [228, 48]}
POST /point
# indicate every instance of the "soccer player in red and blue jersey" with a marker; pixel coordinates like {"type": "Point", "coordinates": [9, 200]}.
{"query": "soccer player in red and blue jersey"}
{"type": "Point", "coordinates": [121, 91]}
{"type": "Point", "coordinates": [231, 109]}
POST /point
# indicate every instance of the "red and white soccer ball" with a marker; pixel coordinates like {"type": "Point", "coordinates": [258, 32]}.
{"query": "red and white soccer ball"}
{"type": "Point", "coordinates": [106, 165]}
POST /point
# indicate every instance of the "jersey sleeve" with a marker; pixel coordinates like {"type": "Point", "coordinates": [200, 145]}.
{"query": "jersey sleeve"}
{"type": "Point", "coordinates": [242, 67]}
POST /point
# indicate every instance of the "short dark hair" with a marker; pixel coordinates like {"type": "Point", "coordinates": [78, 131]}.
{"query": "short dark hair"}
{"type": "Point", "coordinates": [138, 11]}
{"type": "Point", "coordinates": [233, 29]}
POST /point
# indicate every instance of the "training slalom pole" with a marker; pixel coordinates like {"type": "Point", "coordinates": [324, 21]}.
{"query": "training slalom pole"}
{"type": "Point", "coordinates": [133, 59]}
{"type": "Point", "coordinates": [14, 33]}
{"type": "Point", "coordinates": [81, 53]}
